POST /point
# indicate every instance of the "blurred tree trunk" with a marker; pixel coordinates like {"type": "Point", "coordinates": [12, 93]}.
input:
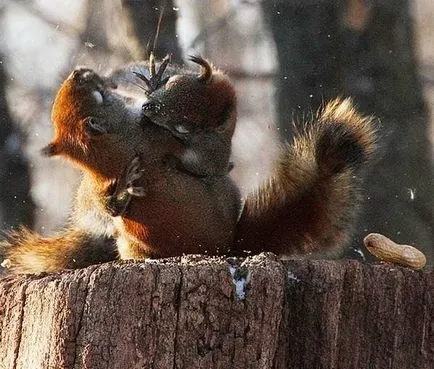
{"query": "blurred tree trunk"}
{"type": "Point", "coordinates": [16, 205]}
{"type": "Point", "coordinates": [364, 49]}
{"type": "Point", "coordinates": [127, 30]}
{"type": "Point", "coordinates": [307, 52]}
{"type": "Point", "coordinates": [147, 27]}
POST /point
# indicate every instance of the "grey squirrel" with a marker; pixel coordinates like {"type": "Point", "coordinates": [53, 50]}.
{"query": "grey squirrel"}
{"type": "Point", "coordinates": [308, 206]}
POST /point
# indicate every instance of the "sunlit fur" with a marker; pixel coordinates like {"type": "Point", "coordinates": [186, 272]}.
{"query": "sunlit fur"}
{"type": "Point", "coordinates": [310, 203]}
{"type": "Point", "coordinates": [29, 252]}
{"type": "Point", "coordinates": [308, 206]}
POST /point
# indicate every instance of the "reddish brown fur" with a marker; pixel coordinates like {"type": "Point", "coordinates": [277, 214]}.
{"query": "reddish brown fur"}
{"type": "Point", "coordinates": [203, 103]}
{"type": "Point", "coordinates": [310, 204]}
{"type": "Point", "coordinates": [201, 111]}
{"type": "Point", "coordinates": [72, 105]}
{"type": "Point", "coordinates": [204, 100]}
{"type": "Point", "coordinates": [29, 252]}
{"type": "Point", "coordinates": [179, 214]}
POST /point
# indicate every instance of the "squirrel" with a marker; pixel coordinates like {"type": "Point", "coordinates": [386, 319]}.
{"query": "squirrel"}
{"type": "Point", "coordinates": [204, 121]}
{"type": "Point", "coordinates": [307, 206]}
{"type": "Point", "coordinates": [198, 109]}
{"type": "Point", "coordinates": [176, 214]}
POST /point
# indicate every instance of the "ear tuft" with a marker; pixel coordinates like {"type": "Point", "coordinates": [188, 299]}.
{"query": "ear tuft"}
{"type": "Point", "coordinates": [205, 74]}
{"type": "Point", "coordinates": [50, 150]}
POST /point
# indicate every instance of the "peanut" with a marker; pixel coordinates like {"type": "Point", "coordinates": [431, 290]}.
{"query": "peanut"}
{"type": "Point", "coordinates": [389, 251]}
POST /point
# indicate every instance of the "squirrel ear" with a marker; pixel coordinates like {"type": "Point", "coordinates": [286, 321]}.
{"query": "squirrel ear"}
{"type": "Point", "coordinates": [94, 127]}
{"type": "Point", "coordinates": [205, 74]}
{"type": "Point", "coordinates": [51, 150]}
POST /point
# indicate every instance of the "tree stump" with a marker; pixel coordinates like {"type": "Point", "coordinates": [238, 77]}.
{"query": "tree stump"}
{"type": "Point", "coordinates": [219, 313]}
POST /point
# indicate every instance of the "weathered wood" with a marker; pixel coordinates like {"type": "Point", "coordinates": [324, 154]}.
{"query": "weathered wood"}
{"type": "Point", "coordinates": [194, 313]}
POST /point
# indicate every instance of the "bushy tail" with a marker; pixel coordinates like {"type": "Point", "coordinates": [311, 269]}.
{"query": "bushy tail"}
{"type": "Point", "coordinates": [310, 203]}
{"type": "Point", "coordinates": [28, 252]}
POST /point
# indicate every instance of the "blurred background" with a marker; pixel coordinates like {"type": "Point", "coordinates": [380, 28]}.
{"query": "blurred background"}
{"type": "Point", "coordinates": [286, 58]}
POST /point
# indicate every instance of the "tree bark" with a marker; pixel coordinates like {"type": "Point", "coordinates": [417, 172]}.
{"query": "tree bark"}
{"type": "Point", "coordinates": [219, 313]}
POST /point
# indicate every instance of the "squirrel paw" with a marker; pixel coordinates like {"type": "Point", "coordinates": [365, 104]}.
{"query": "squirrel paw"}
{"type": "Point", "coordinates": [133, 173]}
{"type": "Point", "coordinates": [122, 189]}
{"type": "Point", "coordinates": [136, 191]}
{"type": "Point", "coordinates": [117, 200]}
{"type": "Point", "coordinates": [155, 80]}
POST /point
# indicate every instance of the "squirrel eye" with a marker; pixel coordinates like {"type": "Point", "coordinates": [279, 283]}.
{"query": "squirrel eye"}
{"type": "Point", "coordinates": [94, 127]}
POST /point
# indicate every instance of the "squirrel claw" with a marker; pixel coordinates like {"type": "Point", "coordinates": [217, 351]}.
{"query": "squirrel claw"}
{"type": "Point", "coordinates": [133, 172]}
{"type": "Point", "coordinates": [136, 191]}
{"type": "Point", "coordinates": [122, 189]}
{"type": "Point", "coordinates": [117, 204]}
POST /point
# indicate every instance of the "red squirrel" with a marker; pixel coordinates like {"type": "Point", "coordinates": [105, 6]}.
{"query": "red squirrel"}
{"type": "Point", "coordinates": [176, 214]}
{"type": "Point", "coordinates": [308, 206]}
{"type": "Point", "coordinates": [198, 109]}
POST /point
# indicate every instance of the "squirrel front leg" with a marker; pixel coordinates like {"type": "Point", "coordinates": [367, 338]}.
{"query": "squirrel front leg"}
{"type": "Point", "coordinates": [122, 189]}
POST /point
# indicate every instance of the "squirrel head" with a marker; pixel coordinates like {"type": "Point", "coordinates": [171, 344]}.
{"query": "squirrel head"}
{"type": "Point", "coordinates": [74, 112]}
{"type": "Point", "coordinates": [87, 119]}
{"type": "Point", "coordinates": [204, 101]}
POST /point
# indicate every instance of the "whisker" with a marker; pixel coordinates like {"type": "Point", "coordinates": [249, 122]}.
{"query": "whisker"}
{"type": "Point", "coordinates": [140, 86]}
{"type": "Point", "coordinates": [144, 79]}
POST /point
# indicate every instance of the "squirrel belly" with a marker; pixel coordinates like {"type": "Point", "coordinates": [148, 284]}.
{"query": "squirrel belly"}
{"type": "Point", "coordinates": [179, 215]}
{"type": "Point", "coordinates": [310, 203]}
